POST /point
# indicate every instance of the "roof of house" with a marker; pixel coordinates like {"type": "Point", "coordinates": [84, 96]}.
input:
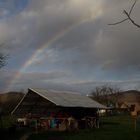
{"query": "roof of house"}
{"type": "Point", "coordinates": [68, 99]}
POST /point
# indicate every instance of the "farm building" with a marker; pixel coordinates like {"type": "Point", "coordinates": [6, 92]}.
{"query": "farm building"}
{"type": "Point", "coordinates": [53, 109]}
{"type": "Point", "coordinates": [130, 101]}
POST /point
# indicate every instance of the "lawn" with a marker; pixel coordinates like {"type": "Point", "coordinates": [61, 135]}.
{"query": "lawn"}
{"type": "Point", "coordinates": [112, 128]}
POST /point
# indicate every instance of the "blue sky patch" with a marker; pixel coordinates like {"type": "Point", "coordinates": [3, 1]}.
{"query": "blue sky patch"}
{"type": "Point", "coordinates": [11, 7]}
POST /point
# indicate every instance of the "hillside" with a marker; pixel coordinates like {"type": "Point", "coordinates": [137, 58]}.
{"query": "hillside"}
{"type": "Point", "coordinates": [130, 96]}
{"type": "Point", "coordinates": [9, 100]}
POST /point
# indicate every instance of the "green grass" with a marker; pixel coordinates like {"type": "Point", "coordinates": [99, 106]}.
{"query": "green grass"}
{"type": "Point", "coordinates": [112, 128]}
{"type": "Point", "coordinates": [5, 132]}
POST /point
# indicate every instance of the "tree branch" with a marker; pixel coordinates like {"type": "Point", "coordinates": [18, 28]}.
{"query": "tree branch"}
{"type": "Point", "coordinates": [128, 16]}
{"type": "Point", "coordinates": [132, 7]}
{"type": "Point", "coordinates": [133, 22]}
{"type": "Point", "coordinates": [118, 22]}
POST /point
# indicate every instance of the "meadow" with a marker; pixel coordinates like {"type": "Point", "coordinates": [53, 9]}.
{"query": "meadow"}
{"type": "Point", "coordinates": [111, 128]}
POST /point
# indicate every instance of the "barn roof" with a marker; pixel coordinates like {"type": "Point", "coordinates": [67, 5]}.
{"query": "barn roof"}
{"type": "Point", "coordinates": [58, 98]}
{"type": "Point", "coordinates": [68, 99]}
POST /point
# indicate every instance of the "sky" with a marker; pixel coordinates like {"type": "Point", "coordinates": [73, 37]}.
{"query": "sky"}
{"type": "Point", "coordinates": [68, 45]}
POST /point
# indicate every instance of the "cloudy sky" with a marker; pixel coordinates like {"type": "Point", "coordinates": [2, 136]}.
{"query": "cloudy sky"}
{"type": "Point", "coordinates": [68, 44]}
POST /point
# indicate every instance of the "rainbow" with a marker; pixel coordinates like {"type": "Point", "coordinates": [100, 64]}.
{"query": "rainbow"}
{"type": "Point", "coordinates": [37, 52]}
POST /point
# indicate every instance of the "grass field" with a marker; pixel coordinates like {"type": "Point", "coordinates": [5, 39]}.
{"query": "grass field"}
{"type": "Point", "coordinates": [112, 128]}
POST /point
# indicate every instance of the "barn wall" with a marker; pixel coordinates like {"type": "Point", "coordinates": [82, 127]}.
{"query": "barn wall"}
{"type": "Point", "coordinates": [34, 104]}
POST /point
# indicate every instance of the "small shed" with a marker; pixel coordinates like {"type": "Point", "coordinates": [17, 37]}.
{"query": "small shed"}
{"type": "Point", "coordinates": [38, 103]}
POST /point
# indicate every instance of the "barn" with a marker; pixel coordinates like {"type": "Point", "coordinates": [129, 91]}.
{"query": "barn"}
{"type": "Point", "coordinates": [55, 109]}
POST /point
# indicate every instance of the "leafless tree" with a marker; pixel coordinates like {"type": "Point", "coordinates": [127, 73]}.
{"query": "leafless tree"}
{"type": "Point", "coordinates": [3, 58]}
{"type": "Point", "coordinates": [107, 95]}
{"type": "Point", "coordinates": [128, 16]}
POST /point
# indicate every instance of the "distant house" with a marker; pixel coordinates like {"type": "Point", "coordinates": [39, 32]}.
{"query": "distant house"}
{"type": "Point", "coordinates": [38, 103]}
{"type": "Point", "coordinates": [121, 102]}
{"type": "Point", "coordinates": [130, 100]}
{"type": "Point", "coordinates": [133, 107]}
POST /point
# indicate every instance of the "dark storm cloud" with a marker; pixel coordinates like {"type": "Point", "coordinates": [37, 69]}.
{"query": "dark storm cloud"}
{"type": "Point", "coordinates": [91, 50]}
{"type": "Point", "coordinates": [96, 43]}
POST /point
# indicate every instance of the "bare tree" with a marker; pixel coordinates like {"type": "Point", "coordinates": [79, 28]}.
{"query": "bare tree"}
{"type": "Point", "coordinates": [2, 64]}
{"type": "Point", "coordinates": [107, 95]}
{"type": "Point", "coordinates": [3, 57]}
{"type": "Point", "coordinates": [128, 16]}
{"type": "Point", "coordinates": [2, 60]}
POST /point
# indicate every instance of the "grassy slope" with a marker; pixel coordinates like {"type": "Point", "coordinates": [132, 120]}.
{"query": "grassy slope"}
{"type": "Point", "coordinates": [113, 128]}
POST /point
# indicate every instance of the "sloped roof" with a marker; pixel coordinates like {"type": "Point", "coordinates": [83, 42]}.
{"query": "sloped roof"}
{"type": "Point", "coordinates": [59, 98]}
{"type": "Point", "coordinates": [68, 99]}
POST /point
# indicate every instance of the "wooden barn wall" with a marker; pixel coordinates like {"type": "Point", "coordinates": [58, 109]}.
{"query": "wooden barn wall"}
{"type": "Point", "coordinates": [35, 104]}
